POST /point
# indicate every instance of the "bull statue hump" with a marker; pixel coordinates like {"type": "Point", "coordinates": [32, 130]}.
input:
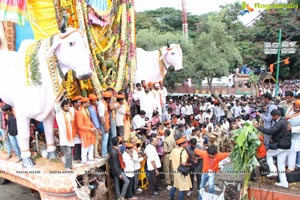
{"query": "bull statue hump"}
{"type": "Point", "coordinates": [34, 99]}
{"type": "Point", "coordinates": [152, 66]}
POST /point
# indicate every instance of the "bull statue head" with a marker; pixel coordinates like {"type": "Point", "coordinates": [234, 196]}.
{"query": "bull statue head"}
{"type": "Point", "coordinates": [72, 51]}
{"type": "Point", "coordinates": [172, 56]}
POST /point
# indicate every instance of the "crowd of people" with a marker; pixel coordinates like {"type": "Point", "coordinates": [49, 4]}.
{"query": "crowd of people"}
{"type": "Point", "coordinates": [153, 131]}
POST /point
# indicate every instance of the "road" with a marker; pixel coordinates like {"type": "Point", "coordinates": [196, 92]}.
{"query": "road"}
{"type": "Point", "coordinates": [13, 191]}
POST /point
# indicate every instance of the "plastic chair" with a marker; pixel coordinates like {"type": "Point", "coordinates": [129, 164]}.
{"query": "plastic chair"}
{"type": "Point", "coordinates": [143, 180]}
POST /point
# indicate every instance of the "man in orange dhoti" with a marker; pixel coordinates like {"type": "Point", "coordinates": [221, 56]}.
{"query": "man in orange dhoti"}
{"type": "Point", "coordinates": [86, 131]}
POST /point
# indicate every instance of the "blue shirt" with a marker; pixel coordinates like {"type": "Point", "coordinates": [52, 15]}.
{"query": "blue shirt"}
{"type": "Point", "coordinates": [267, 118]}
{"type": "Point", "coordinates": [94, 117]}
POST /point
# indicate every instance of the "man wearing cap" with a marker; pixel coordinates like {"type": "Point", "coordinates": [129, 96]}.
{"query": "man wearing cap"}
{"type": "Point", "coordinates": [153, 165]}
{"type": "Point", "coordinates": [129, 169]}
{"type": "Point", "coordinates": [96, 122]}
{"type": "Point", "coordinates": [77, 142]}
{"type": "Point", "coordinates": [213, 140]}
{"type": "Point", "coordinates": [181, 182]}
{"type": "Point", "coordinates": [65, 120]}
{"type": "Point", "coordinates": [169, 145]}
{"type": "Point", "coordinates": [150, 84]}
{"type": "Point", "coordinates": [105, 121]}
{"type": "Point", "coordinates": [86, 131]}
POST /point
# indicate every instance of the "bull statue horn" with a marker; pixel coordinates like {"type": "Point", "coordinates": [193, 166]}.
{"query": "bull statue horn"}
{"type": "Point", "coordinates": [63, 27]}
{"type": "Point", "coordinates": [179, 42]}
{"type": "Point", "coordinates": [168, 44]}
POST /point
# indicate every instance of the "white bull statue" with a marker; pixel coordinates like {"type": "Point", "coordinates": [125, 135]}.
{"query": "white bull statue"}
{"type": "Point", "coordinates": [152, 66]}
{"type": "Point", "coordinates": [36, 101]}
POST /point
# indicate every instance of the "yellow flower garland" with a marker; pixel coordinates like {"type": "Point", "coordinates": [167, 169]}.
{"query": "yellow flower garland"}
{"type": "Point", "coordinates": [122, 60]}
{"type": "Point", "coordinates": [27, 64]}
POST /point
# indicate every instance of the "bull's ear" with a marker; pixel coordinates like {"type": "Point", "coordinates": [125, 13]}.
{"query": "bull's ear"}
{"type": "Point", "coordinates": [53, 48]}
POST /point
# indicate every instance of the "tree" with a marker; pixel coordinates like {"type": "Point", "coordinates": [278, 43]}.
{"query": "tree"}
{"type": "Point", "coordinates": [216, 52]}
{"type": "Point", "coordinates": [254, 80]}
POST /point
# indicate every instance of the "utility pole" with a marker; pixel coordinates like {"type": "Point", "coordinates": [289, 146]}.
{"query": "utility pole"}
{"type": "Point", "coordinates": [184, 21]}
{"type": "Point", "coordinates": [278, 63]}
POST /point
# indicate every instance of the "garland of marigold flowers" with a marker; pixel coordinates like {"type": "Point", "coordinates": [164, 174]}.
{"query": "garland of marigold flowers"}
{"type": "Point", "coordinates": [32, 63]}
{"type": "Point", "coordinates": [132, 63]}
{"type": "Point", "coordinates": [162, 65]}
{"type": "Point", "coordinates": [122, 61]}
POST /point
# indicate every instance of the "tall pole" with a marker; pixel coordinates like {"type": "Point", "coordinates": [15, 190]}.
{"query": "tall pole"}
{"type": "Point", "coordinates": [278, 63]}
{"type": "Point", "coordinates": [184, 21]}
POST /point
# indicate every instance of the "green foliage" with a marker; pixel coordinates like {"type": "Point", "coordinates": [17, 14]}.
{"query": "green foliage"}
{"type": "Point", "coordinates": [243, 155]}
{"type": "Point", "coordinates": [165, 20]}
{"type": "Point", "coordinates": [216, 52]}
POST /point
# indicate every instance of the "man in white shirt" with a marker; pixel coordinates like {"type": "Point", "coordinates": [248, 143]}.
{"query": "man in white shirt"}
{"type": "Point", "coordinates": [137, 158]}
{"type": "Point", "coordinates": [139, 123]}
{"type": "Point", "coordinates": [65, 120]}
{"type": "Point", "coordinates": [129, 168]}
{"type": "Point", "coordinates": [225, 124]}
{"type": "Point", "coordinates": [120, 113]}
{"type": "Point", "coordinates": [136, 95]}
{"type": "Point", "coordinates": [203, 106]}
{"type": "Point", "coordinates": [181, 120]}
{"type": "Point", "coordinates": [188, 111]}
{"type": "Point", "coordinates": [208, 114]}
{"type": "Point", "coordinates": [200, 117]}
{"type": "Point", "coordinates": [153, 164]}
{"type": "Point", "coordinates": [147, 102]}
{"type": "Point", "coordinates": [183, 110]}
{"type": "Point", "coordinates": [177, 110]}
{"type": "Point", "coordinates": [164, 93]}
{"type": "Point", "coordinates": [158, 98]}
{"type": "Point", "coordinates": [237, 110]}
